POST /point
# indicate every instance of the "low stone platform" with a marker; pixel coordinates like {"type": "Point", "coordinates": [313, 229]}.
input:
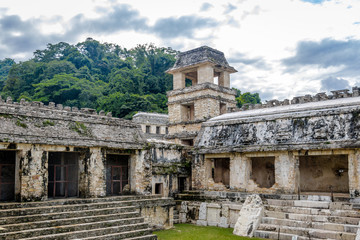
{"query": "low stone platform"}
{"type": "Point", "coordinates": [121, 217]}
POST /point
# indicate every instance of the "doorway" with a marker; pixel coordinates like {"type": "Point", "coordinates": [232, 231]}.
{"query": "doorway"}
{"type": "Point", "coordinates": [63, 175]}
{"type": "Point", "coordinates": [7, 175]}
{"type": "Point", "coordinates": [117, 176]}
{"type": "Point", "coordinates": [328, 173]}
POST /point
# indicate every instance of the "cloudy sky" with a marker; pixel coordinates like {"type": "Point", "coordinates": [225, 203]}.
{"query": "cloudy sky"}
{"type": "Point", "coordinates": [281, 48]}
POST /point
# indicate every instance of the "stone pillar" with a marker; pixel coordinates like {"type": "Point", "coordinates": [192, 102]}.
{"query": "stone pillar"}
{"type": "Point", "coordinates": [241, 175]}
{"type": "Point", "coordinates": [354, 173]}
{"type": "Point", "coordinates": [224, 79]}
{"type": "Point", "coordinates": [33, 175]}
{"type": "Point", "coordinates": [285, 172]}
{"type": "Point", "coordinates": [140, 172]}
{"type": "Point", "coordinates": [97, 179]}
{"type": "Point", "coordinates": [178, 80]}
{"type": "Point", "coordinates": [206, 108]}
{"type": "Point", "coordinates": [235, 171]}
{"type": "Point", "coordinates": [199, 172]}
{"type": "Point", "coordinates": [84, 173]}
{"type": "Point", "coordinates": [205, 74]}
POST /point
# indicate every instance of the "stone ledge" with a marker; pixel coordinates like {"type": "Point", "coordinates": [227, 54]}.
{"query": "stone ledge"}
{"type": "Point", "coordinates": [200, 87]}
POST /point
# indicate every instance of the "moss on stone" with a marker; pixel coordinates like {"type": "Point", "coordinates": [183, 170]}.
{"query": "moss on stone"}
{"type": "Point", "coordinates": [47, 123]}
{"type": "Point", "coordinates": [80, 128]}
{"type": "Point", "coordinates": [21, 124]}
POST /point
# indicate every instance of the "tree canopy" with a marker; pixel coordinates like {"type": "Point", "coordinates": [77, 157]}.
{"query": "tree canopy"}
{"type": "Point", "coordinates": [95, 75]}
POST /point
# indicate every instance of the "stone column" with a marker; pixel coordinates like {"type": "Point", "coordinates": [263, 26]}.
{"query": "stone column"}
{"type": "Point", "coordinates": [97, 179]}
{"type": "Point", "coordinates": [235, 171]}
{"type": "Point", "coordinates": [205, 74]}
{"type": "Point", "coordinates": [199, 172]}
{"type": "Point", "coordinates": [178, 80]}
{"type": "Point", "coordinates": [224, 79]}
{"type": "Point", "coordinates": [33, 175]}
{"type": "Point", "coordinates": [354, 173]}
{"type": "Point", "coordinates": [241, 173]}
{"type": "Point", "coordinates": [285, 172]}
{"type": "Point", "coordinates": [140, 172]}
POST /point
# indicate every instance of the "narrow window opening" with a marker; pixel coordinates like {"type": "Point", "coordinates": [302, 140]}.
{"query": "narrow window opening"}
{"type": "Point", "coordinates": [222, 108]}
{"type": "Point", "coordinates": [188, 142]}
{"type": "Point", "coordinates": [157, 130]}
{"type": "Point", "coordinates": [158, 188]}
{"type": "Point", "coordinates": [147, 129]}
{"type": "Point", "coordinates": [221, 171]}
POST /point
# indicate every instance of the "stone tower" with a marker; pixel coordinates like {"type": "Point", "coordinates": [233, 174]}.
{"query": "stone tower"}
{"type": "Point", "coordinates": [201, 80]}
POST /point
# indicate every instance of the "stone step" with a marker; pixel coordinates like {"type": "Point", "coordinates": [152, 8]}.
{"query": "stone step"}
{"type": "Point", "coordinates": [312, 218]}
{"type": "Point", "coordinates": [116, 236]}
{"type": "Point", "coordinates": [70, 207]}
{"type": "Point", "coordinates": [70, 201]}
{"type": "Point", "coordinates": [312, 211]}
{"type": "Point", "coordinates": [76, 230]}
{"type": "Point", "coordinates": [308, 232]}
{"type": "Point", "coordinates": [97, 234]}
{"type": "Point", "coordinates": [315, 225]}
{"type": "Point", "coordinates": [147, 237]}
{"type": "Point", "coordinates": [280, 236]}
{"type": "Point", "coordinates": [124, 211]}
{"type": "Point", "coordinates": [299, 203]}
{"type": "Point", "coordinates": [126, 217]}
{"type": "Point", "coordinates": [311, 204]}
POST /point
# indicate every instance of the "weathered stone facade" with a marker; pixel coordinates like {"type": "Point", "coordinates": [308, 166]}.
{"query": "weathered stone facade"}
{"type": "Point", "coordinates": [282, 149]}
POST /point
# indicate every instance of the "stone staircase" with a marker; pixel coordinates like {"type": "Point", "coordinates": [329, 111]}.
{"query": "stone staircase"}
{"type": "Point", "coordinates": [308, 219]}
{"type": "Point", "coordinates": [95, 218]}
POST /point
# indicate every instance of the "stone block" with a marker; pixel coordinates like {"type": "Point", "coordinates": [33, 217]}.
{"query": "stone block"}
{"type": "Point", "coordinates": [201, 222]}
{"type": "Point", "coordinates": [223, 222]}
{"type": "Point", "coordinates": [250, 216]}
{"type": "Point", "coordinates": [311, 204]}
{"type": "Point", "coordinates": [202, 211]}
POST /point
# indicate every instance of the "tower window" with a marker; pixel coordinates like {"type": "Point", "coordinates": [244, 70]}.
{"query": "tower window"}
{"type": "Point", "coordinates": [147, 129]}
{"type": "Point", "coordinates": [157, 130]}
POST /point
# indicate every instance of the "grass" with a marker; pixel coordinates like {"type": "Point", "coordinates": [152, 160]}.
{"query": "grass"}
{"type": "Point", "coordinates": [193, 232]}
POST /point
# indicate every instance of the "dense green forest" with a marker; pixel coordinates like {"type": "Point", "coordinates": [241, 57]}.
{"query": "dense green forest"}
{"type": "Point", "coordinates": [96, 75]}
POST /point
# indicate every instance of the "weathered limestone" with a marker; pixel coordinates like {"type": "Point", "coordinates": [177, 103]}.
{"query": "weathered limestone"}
{"type": "Point", "coordinates": [249, 217]}
{"type": "Point", "coordinates": [153, 125]}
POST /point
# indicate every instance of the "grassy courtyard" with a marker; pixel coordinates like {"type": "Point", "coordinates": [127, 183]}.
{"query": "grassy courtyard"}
{"type": "Point", "coordinates": [193, 232]}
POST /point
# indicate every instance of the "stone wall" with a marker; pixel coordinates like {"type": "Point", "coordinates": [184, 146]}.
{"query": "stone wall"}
{"type": "Point", "coordinates": [169, 162]}
{"type": "Point", "coordinates": [220, 214]}
{"type": "Point", "coordinates": [36, 123]}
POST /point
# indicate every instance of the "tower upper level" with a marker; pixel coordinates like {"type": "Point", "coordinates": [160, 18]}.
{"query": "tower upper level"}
{"type": "Point", "coordinates": [201, 65]}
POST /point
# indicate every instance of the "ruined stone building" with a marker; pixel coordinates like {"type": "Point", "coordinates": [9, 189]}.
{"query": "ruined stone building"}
{"type": "Point", "coordinates": [302, 156]}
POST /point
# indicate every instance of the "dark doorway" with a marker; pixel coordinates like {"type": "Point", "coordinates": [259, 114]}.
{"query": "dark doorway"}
{"type": "Point", "coordinates": [116, 174]}
{"type": "Point", "coordinates": [221, 171]}
{"type": "Point", "coordinates": [63, 174]}
{"type": "Point", "coordinates": [158, 188]}
{"type": "Point", "coordinates": [263, 171]}
{"type": "Point", "coordinates": [181, 184]}
{"type": "Point", "coordinates": [328, 173]}
{"type": "Point", "coordinates": [7, 175]}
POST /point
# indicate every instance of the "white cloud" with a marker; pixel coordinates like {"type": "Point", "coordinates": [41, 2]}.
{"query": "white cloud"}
{"type": "Point", "coordinates": [265, 32]}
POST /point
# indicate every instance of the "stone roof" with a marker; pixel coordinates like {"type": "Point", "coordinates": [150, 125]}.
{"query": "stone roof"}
{"type": "Point", "coordinates": [200, 55]}
{"type": "Point", "coordinates": [307, 122]}
{"type": "Point", "coordinates": [36, 123]}
{"type": "Point", "coordinates": [151, 118]}
{"type": "Point", "coordinates": [298, 105]}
